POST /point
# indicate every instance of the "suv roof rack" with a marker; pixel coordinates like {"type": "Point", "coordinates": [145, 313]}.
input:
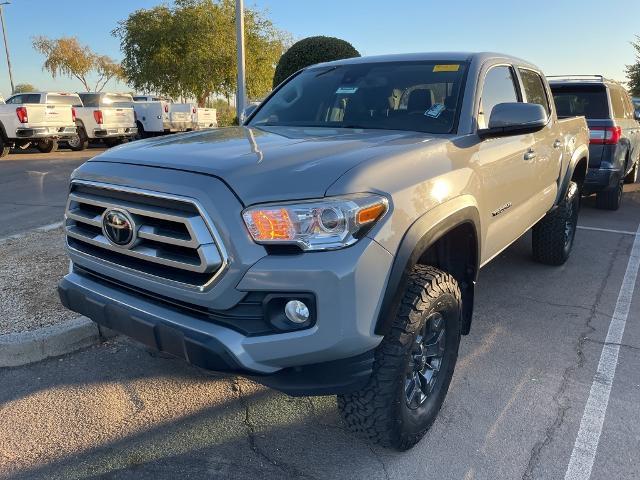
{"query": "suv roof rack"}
{"type": "Point", "coordinates": [594, 78]}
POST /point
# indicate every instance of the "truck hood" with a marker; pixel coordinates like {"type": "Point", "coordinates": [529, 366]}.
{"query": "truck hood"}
{"type": "Point", "coordinates": [269, 164]}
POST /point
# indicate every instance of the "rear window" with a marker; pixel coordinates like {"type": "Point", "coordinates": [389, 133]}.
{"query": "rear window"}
{"type": "Point", "coordinates": [30, 98]}
{"type": "Point", "coordinates": [575, 101]}
{"type": "Point", "coordinates": [56, 99]}
{"type": "Point", "coordinates": [115, 100]}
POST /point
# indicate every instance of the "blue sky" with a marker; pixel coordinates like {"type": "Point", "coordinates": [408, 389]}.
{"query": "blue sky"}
{"type": "Point", "coordinates": [544, 32]}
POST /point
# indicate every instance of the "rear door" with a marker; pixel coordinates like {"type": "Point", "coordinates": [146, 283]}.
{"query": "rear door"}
{"type": "Point", "coordinates": [180, 113]}
{"type": "Point", "coordinates": [590, 100]}
{"type": "Point", "coordinates": [546, 152]}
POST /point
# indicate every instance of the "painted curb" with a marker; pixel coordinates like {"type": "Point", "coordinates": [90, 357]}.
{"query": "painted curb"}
{"type": "Point", "coordinates": [22, 348]}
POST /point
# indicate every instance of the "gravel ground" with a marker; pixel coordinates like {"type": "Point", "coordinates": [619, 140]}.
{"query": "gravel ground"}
{"type": "Point", "coordinates": [30, 268]}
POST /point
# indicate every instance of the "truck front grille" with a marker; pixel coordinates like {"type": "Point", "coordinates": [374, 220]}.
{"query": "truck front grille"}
{"type": "Point", "coordinates": [173, 239]}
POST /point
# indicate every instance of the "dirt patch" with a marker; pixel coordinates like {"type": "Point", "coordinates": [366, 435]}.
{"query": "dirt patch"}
{"type": "Point", "coordinates": [30, 268]}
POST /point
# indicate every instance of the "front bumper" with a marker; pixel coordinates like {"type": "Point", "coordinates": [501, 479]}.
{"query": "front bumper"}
{"type": "Point", "coordinates": [45, 132]}
{"type": "Point", "coordinates": [205, 344]}
{"type": "Point", "coordinates": [115, 132]}
{"type": "Point", "coordinates": [599, 179]}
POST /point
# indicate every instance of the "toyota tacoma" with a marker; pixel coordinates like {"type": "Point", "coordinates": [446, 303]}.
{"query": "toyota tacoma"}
{"type": "Point", "coordinates": [331, 244]}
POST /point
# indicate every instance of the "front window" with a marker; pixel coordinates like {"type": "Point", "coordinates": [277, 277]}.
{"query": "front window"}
{"type": "Point", "coordinates": [414, 96]}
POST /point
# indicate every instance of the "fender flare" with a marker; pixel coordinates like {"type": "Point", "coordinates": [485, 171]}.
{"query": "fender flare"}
{"type": "Point", "coordinates": [421, 235]}
{"type": "Point", "coordinates": [581, 152]}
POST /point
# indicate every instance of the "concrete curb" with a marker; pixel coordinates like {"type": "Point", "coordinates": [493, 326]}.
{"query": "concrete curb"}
{"type": "Point", "coordinates": [27, 347]}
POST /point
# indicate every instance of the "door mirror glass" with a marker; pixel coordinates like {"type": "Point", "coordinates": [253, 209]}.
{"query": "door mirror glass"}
{"type": "Point", "coordinates": [636, 114]}
{"type": "Point", "coordinates": [515, 119]}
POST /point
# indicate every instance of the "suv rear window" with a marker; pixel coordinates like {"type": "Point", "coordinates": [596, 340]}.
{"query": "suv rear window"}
{"type": "Point", "coordinates": [581, 100]}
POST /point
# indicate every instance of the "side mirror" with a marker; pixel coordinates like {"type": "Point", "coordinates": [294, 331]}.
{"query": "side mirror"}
{"type": "Point", "coordinates": [515, 119]}
{"type": "Point", "coordinates": [247, 111]}
{"type": "Point", "coordinates": [636, 114]}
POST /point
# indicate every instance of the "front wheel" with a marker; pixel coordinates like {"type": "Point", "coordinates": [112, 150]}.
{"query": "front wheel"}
{"type": "Point", "coordinates": [47, 145]}
{"type": "Point", "coordinates": [413, 365]}
{"type": "Point", "coordinates": [552, 237]}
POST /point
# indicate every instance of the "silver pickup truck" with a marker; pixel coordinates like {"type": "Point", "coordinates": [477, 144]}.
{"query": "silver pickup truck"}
{"type": "Point", "coordinates": [332, 244]}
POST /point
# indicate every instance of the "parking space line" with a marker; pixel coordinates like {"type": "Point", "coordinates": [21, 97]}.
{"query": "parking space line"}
{"type": "Point", "coordinates": [586, 444]}
{"type": "Point", "coordinates": [43, 228]}
{"type": "Point", "coordinates": [608, 230]}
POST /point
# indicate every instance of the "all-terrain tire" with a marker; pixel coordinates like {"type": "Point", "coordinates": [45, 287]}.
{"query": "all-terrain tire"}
{"type": "Point", "coordinates": [610, 199]}
{"type": "Point", "coordinates": [381, 410]}
{"type": "Point", "coordinates": [632, 176]}
{"type": "Point", "coordinates": [47, 145]}
{"type": "Point", "coordinates": [552, 237]}
{"type": "Point", "coordinates": [80, 141]}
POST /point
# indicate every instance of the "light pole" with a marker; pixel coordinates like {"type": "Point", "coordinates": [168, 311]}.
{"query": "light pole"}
{"type": "Point", "coordinates": [6, 45]}
{"type": "Point", "coordinates": [240, 92]}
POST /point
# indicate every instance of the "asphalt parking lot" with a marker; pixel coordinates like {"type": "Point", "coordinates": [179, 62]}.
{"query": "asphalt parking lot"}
{"type": "Point", "coordinates": [33, 187]}
{"type": "Point", "coordinates": [514, 409]}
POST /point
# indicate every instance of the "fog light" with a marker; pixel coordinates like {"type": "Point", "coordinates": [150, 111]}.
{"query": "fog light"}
{"type": "Point", "coordinates": [296, 311]}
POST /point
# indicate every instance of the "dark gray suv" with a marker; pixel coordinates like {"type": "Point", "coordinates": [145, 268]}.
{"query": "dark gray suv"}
{"type": "Point", "coordinates": [614, 132]}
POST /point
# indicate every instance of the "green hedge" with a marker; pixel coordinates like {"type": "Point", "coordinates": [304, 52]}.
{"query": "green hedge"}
{"type": "Point", "coordinates": [309, 51]}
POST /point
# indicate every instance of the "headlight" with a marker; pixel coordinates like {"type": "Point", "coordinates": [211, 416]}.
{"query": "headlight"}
{"type": "Point", "coordinates": [326, 224]}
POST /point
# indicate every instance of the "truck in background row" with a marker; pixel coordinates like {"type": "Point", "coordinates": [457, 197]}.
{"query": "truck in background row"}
{"type": "Point", "coordinates": [204, 118]}
{"type": "Point", "coordinates": [614, 146]}
{"type": "Point", "coordinates": [37, 119]}
{"type": "Point", "coordinates": [103, 116]}
{"type": "Point", "coordinates": [156, 115]}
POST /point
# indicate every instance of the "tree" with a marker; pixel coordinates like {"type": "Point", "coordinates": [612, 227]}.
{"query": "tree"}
{"type": "Point", "coordinates": [67, 56]}
{"type": "Point", "coordinates": [24, 88]}
{"type": "Point", "coordinates": [633, 71]}
{"type": "Point", "coordinates": [309, 51]}
{"type": "Point", "coordinates": [189, 49]}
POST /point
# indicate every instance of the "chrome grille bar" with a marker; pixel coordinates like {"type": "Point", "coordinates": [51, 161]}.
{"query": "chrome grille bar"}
{"type": "Point", "coordinates": [172, 232]}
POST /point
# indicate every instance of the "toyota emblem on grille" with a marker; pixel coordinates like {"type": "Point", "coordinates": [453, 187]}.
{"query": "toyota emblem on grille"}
{"type": "Point", "coordinates": [118, 227]}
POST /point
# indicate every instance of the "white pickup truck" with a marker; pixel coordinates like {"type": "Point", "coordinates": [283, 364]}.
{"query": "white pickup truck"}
{"type": "Point", "coordinates": [159, 115]}
{"type": "Point", "coordinates": [108, 117]}
{"type": "Point", "coordinates": [204, 118]}
{"type": "Point", "coordinates": [35, 118]}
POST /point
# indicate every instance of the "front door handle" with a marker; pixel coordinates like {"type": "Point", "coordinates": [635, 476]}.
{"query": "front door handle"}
{"type": "Point", "coordinates": [530, 155]}
{"type": "Point", "coordinates": [557, 144]}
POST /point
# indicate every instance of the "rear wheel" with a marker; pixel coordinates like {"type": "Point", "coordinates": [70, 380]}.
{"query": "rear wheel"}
{"type": "Point", "coordinates": [413, 364]}
{"type": "Point", "coordinates": [80, 141]}
{"type": "Point", "coordinates": [552, 237]}
{"type": "Point", "coordinates": [140, 134]}
{"type": "Point", "coordinates": [4, 147]}
{"type": "Point", "coordinates": [610, 199]}
{"type": "Point", "coordinates": [632, 176]}
{"type": "Point", "coordinates": [47, 145]}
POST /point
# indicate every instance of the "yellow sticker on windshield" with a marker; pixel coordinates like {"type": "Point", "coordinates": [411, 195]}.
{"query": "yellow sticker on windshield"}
{"type": "Point", "coordinates": [446, 68]}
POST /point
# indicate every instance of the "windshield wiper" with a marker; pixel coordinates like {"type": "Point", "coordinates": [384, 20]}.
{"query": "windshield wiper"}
{"type": "Point", "coordinates": [326, 71]}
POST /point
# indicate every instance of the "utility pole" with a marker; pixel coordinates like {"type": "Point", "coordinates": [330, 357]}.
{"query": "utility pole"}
{"type": "Point", "coordinates": [6, 45]}
{"type": "Point", "coordinates": [240, 92]}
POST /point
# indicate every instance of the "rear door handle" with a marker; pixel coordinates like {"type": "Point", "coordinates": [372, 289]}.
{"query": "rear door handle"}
{"type": "Point", "coordinates": [530, 155]}
{"type": "Point", "coordinates": [557, 144]}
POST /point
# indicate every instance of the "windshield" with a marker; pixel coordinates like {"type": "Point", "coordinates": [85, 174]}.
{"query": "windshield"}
{"type": "Point", "coordinates": [415, 96]}
{"type": "Point", "coordinates": [576, 101]}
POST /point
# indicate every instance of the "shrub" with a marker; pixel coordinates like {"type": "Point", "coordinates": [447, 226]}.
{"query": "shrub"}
{"type": "Point", "coordinates": [309, 51]}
